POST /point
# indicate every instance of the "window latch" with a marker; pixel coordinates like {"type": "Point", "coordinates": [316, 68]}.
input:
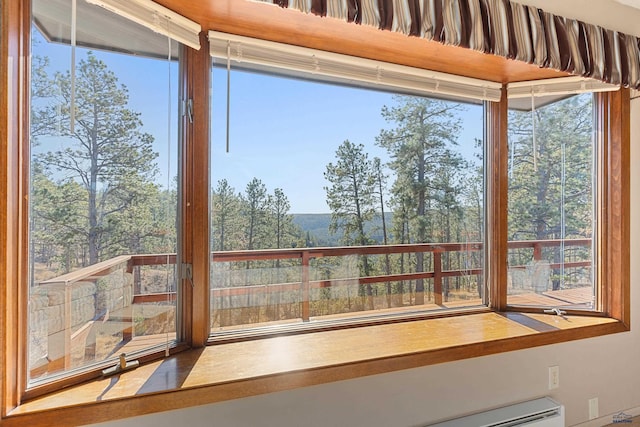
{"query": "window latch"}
{"type": "Point", "coordinates": [187, 109]}
{"type": "Point", "coordinates": [187, 273]}
{"type": "Point", "coordinates": [121, 366]}
{"type": "Point", "coordinates": [555, 310]}
{"type": "Point", "coordinates": [190, 110]}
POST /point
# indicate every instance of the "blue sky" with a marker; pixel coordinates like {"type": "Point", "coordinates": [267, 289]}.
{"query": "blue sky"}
{"type": "Point", "coordinates": [282, 131]}
{"type": "Point", "coordinates": [285, 131]}
{"type": "Point", "coordinates": [152, 87]}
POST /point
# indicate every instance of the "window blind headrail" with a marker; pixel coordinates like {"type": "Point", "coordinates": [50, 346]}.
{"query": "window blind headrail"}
{"type": "Point", "coordinates": [157, 18]}
{"type": "Point", "coordinates": [559, 86]}
{"type": "Point", "coordinates": [305, 62]}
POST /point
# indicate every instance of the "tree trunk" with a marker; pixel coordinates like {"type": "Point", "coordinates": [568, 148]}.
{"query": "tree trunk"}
{"type": "Point", "coordinates": [419, 299]}
{"type": "Point", "coordinates": [387, 263]}
{"type": "Point", "coordinates": [93, 208]}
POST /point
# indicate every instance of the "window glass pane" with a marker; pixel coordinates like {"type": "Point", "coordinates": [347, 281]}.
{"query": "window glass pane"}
{"type": "Point", "coordinates": [103, 192]}
{"type": "Point", "coordinates": [335, 202]}
{"type": "Point", "coordinates": [551, 204]}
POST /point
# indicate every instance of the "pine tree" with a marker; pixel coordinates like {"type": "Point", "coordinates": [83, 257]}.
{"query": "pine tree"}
{"type": "Point", "coordinates": [419, 145]}
{"type": "Point", "coordinates": [282, 220]}
{"type": "Point", "coordinates": [255, 211]}
{"type": "Point", "coordinates": [225, 217]}
{"type": "Point", "coordinates": [381, 181]}
{"type": "Point", "coordinates": [351, 198]}
{"type": "Point", "coordinates": [563, 131]}
{"type": "Point", "coordinates": [106, 153]}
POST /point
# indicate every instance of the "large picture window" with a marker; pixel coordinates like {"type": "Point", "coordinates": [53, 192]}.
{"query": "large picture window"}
{"type": "Point", "coordinates": [336, 202]}
{"type": "Point", "coordinates": [343, 190]}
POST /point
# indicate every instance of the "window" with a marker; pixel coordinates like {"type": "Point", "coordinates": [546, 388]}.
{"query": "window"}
{"type": "Point", "coordinates": [194, 279]}
{"type": "Point", "coordinates": [556, 180]}
{"type": "Point", "coordinates": [552, 215]}
{"type": "Point", "coordinates": [339, 201]}
{"type": "Point", "coordinates": [103, 227]}
{"type": "Point", "coordinates": [338, 196]}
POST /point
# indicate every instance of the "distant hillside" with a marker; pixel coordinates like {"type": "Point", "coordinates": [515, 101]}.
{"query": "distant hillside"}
{"type": "Point", "coordinates": [318, 227]}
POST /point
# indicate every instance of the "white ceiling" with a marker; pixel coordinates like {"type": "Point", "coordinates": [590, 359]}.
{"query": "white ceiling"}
{"type": "Point", "coordinates": [633, 3]}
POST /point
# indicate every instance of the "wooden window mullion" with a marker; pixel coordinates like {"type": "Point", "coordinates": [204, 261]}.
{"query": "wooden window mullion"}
{"type": "Point", "coordinates": [196, 189]}
{"type": "Point", "coordinates": [496, 195]}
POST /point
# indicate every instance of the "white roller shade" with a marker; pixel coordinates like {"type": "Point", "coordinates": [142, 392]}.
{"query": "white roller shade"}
{"type": "Point", "coordinates": [304, 62]}
{"type": "Point", "coordinates": [157, 18]}
{"type": "Point", "coordinates": [558, 87]}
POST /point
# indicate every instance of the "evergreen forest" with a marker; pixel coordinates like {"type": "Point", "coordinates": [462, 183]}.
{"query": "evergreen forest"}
{"type": "Point", "coordinates": [97, 196]}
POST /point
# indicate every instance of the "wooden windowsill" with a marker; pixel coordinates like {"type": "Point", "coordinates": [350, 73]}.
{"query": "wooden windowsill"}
{"type": "Point", "coordinates": [241, 369]}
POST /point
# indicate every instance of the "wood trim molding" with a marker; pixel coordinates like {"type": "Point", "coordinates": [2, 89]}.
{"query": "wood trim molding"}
{"type": "Point", "coordinates": [615, 225]}
{"type": "Point", "coordinates": [496, 196]}
{"type": "Point", "coordinates": [14, 131]}
{"type": "Point", "coordinates": [195, 201]}
{"type": "Point", "coordinates": [270, 22]}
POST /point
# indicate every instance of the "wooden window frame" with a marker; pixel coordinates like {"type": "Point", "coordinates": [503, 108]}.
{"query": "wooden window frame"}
{"type": "Point", "coordinates": [14, 131]}
{"type": "Point", "coordinates": [612, 253]}
{"type": "Point", "coordinates": [611, 258]}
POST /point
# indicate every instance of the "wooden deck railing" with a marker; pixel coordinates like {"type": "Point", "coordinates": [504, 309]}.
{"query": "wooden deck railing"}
{"type": "Point", "coordinates": [305, 284]}
{"type": "Point", "coordinates": [130, 262]}
{"type": "Point", "coordinates": [305, 255]}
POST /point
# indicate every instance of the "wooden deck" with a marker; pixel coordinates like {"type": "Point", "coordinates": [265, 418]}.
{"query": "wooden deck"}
{"type": "Point", "coordinates": [146, 342]}
{"type": "Point", "coordinates": [565, 298]}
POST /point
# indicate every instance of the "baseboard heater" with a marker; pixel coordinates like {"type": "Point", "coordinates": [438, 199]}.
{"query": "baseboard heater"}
{"type": "Point", "coordinates": [543, 412]}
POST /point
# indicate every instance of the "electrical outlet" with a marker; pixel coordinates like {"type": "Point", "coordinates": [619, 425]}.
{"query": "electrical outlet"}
{"type": "Point", "coordinates": [593, 408]}
{"type": "Point", "coordinates": [554, 377]}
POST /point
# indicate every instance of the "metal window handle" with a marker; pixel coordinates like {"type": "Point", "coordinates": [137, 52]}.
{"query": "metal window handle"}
{"type": "Point", "coordinates": [121, 366]}
{"type": "Point", "coordinates": [190, 110]}
{"type": "Point", "coordinates": [187, 273]}
{"type": "Point", "coordinates": [555, 310]}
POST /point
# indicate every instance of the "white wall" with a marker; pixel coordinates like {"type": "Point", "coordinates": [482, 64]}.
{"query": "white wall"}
{"type": "Point", "coordinates": [605, 367]}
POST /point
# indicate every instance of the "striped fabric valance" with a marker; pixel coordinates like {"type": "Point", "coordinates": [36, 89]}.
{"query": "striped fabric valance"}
{"type": "Point", "coordinates": [500, 27]}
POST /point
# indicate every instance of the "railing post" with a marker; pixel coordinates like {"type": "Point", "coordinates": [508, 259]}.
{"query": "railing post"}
{"type": "Point", "coordinates": [137, 280]}
{"type": "Point", "coordinates": [437, 276]}
{"type": "Point", "coordinates": [537, 252]}
{"type": "Point", "coordinates": [67, 325]}
{"type": "Point", "coordinates": [305, 287]}
{"type": "Point", "coordinates": [127, 317]}
{"type": "Point", "coordinates": [127, 304]}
